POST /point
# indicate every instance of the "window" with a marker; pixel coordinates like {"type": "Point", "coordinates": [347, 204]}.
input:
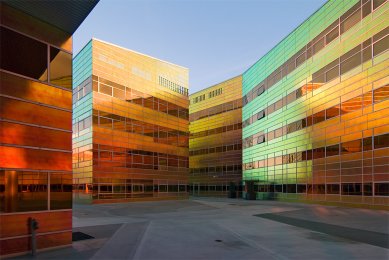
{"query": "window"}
{"type": "Point", "coordinates": [261, 139]}
{"type": "Point", "coordinates": [381, 189]}
{"type": "Point", "coordinates": [367, 189]}
{"type": "Point", "coordinates": [377, 3]}
{"type": "Point", "coordinates": [318, 117]}
{"type": "Point", "coordinates": [351, 189]}
{"type": "Point", "coordinates": [332, 35]}
{"type": "Point", "coordinates": [332, 112]}
{"type": "Point", "coordinates": [60, 68]}
{"type": "Point", "coordinates": [105, 89]}
{"type": "Point", "coordinates": [367, 143]}
{"type": "Point", "coordinates": [351, 19]}
{"type": "Point", "coordinates": [301, 188]}
{"type": "Point", "coordinates": [23, 55]}
{"type": "Point", "coordinates": [319, 153]}
{"type": "Point", "coordinates": [261, 115]}
{"type": "Point", "coordinates": [60, 191]}
{"type": "Point", "coordinates": [350, 63]}
{"type": "Point", "coordinates": [28, 187]}
{"type": "Point", "coordinates": [332, 150]}
{"type": "Point", "coordinates": [318, 46]}
{"type": "Point", "coordinates": [333, 188]}
{"type": "Point", "coordinates": [261, 90]}
{"type": "Point", "coordinates": [300, 59]}
{"type": "Point", "coordinates": [381, 141]}
{"type": "Point", "coordinates": [332, 73]}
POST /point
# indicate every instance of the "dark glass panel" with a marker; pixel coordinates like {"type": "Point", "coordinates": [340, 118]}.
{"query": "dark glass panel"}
{"type": "Point", "coordinates": [332, 112]}
{"type": "Point", "coordinates": [332, 73]}
{"type": "Point", "coordinates": [309, 120]}
{"type": "Point", "coordinates": [2, 190]}
{"type": "Point", "coordinates": [318, 46]}
{"type": "Point", "coordinates": [318, 117]}
{"type": "Point", "coordinates": [277, 188]}
{"type": "Point", "coordinates": [366, 9]}
{"type": "Point", "coordinates": [61, 68]}
{"type": "Point", "coordinates": [367, 189]}
{"type": "Point", "coordinates": [319, 153]}
{"type": "Point", "coordinates": [319, 189]}
{"type": "Point", "coordinates": [318, 77]}
{"type": "Point", "coordinates": [350, 63]}
{"type": "Point", "coordinates": [381, 46]}
{"type": "Point", "coordinates": [381, 189]}
{"type": "Point", "coordinates": [333, 188]}
{"type": "Point", "coordinates": [381, 141]}
{"type": "Point", "coordinates": [350, 21]}
{"type": "Point", "coordinates": [332, 35]}
{"type": "Point", "coordinates": [366, 54]}
{"type": "Point", "coordinates": [23, 55]}
{"type": "Point", "coordinates": [309, 155]}
{"type": "Point", "coordinates": [377, 3]}
{"type": "Point", "coordinates": [291, 188]}
{"type": "Point", "coordinates": [332, 150]}
{"type": "Point", "coordinates": [367, 143]}
{"type": "Point", "coordinates": [301, 188]}
{"type": "Point", "coordinates": [351, 189]}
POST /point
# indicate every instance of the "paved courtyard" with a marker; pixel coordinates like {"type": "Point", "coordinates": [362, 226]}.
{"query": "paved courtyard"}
{"type": "Point", "coordinates": [208, 228]}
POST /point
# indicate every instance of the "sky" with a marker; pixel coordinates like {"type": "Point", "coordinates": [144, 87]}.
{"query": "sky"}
{"type": "Point", "coordinates": [215, 39]}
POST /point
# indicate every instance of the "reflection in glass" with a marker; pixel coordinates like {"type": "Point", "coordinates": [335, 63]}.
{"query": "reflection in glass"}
{"type": "Point", "coordinates": [60, 68]}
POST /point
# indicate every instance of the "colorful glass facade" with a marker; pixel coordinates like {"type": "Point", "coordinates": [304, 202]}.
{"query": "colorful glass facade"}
{"type": "Point", "coordinates": [35, 123]}
{"type": "Point", "coordinates": [215, 144]}
{"type": "Point", "coordinates": [130, 125]}
{"type": "Point", "coordinates": [316, 109]}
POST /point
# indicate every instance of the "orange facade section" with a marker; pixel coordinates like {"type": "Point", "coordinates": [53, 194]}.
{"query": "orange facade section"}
{"type": "Point", "coordinates": [35, 133]}
{"type": "Point", "coordinates": [130, 126]}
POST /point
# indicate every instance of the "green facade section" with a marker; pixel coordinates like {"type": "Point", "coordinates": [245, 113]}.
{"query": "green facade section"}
{"type": "Point", "coordinates": [300, 37]}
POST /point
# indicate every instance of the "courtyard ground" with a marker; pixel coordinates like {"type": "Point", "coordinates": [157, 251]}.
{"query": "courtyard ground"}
{"type": "Point", "coordinates": [209, 228]}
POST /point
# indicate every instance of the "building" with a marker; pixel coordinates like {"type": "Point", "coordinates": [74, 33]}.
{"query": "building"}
{"type": "Point", "coordinates": [130, 126]}
{"type": "Point", "coordinates": [35, 121]}
{"type": "Point", "coordinates": [215, 142]}
{"type": "Point", "coordinates": [316, 110]}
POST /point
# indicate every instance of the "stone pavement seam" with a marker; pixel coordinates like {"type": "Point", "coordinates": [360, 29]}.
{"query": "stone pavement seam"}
{"type": "Point", "coordinates": [138, 249]}
{"type": "Point", "coordinates": [124, 242]}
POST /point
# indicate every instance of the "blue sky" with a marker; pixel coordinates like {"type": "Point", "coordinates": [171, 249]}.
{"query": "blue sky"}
{"type": "Point", "coordinates": [215, 39]}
